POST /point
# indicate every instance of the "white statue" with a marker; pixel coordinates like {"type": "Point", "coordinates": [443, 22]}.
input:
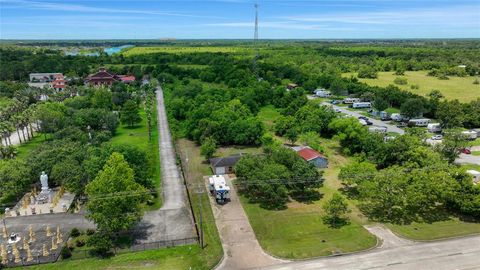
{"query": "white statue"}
{"type": "Point", "coordinates": [44, 182]}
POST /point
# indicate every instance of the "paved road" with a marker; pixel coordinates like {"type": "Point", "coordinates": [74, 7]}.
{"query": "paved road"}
{"type": "Point", "coordinates": [390, 128]}
{"type": "Point", "coordinates": [461, 253]}
{"type": "Point", "coordinates": [240, 245]}
{"type": "Point", "coordinates": [173, 220]}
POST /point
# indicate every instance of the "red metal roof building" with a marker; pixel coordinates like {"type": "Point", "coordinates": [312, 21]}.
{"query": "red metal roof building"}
{"type": "Point", "coordinates": [313, 157]}
{"type": "Point", "coordinates": [106, 78]}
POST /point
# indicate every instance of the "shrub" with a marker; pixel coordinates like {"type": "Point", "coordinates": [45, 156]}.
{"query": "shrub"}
{"type": "Point", "coordinates": [400, 81]}
{"type": "Point", "coordinates": [414, 86]}
{"type": "Point", "coordinates": [80, 243]}
{"type": "Point", "coordinates": [75, 232]}
{"type": "Point", "coordinates": [90, 231]}
{"type": "Point", "coordinates": [65, 252]}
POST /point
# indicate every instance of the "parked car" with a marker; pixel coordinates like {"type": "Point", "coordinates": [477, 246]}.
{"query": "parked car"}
{"type": "Point", "coordinates": [337, 110]}
{"type": "Point", "coordinates": [385, 118]}
{"type": "Point", "coordinates": [334, 101]}
{"type": "Point", "coordinates": [437, 137]}
{"type": "Point", "coordinates": [466, 151]}
{"type": "Point", "coordinates": [363, 117]}
{"type": "Point", "coordinates": [402, 125]}
{"type": "Point", "coordinates": [368, 122]}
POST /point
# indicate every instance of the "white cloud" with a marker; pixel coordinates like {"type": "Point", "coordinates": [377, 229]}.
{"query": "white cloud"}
{"type": "Point", "coordinates": [56, 6]}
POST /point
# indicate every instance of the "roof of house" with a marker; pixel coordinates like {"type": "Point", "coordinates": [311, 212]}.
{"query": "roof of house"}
{"type": "Point", "coordinates": [225, 161]}
{"type": "Point", "coordinates": [308, 154]}
{"type": "Point", "coordinates": [127, 78]}
{"type": "Point", "coordinates": [103, 74]}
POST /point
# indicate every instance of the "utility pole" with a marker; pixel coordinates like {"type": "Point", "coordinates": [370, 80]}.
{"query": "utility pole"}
{"type": "Point", "coordinates": [255, 43]}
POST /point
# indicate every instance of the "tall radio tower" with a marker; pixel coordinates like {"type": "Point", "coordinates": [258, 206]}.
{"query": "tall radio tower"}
{"type": "Point", "coordinates": [255, 43]}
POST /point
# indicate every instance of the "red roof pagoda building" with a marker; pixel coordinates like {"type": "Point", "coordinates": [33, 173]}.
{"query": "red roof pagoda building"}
{"type": "Point", "coordinates": [106, 78]}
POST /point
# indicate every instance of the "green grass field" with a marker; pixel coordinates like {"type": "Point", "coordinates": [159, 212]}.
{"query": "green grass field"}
{"type": "Point", "coordinates": [180, 50]}
{"type": "Point", "coordinates": [268, 115]}
{"type": "Point", "coordinates": [138, 136]}
{"type": "Point", "coordinates": [184, 257]}
{"type": "Point", "coordinates": [461, 88]}
{"type": "Point", "coordinates": [436, 230]}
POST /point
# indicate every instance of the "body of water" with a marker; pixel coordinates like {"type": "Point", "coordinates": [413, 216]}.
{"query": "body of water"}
{"type": "Point", "coordinates": [118, 49]}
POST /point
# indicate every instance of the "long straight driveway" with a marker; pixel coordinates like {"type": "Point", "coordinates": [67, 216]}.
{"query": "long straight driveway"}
{"type": "Point", "coordinates": [173, 221]}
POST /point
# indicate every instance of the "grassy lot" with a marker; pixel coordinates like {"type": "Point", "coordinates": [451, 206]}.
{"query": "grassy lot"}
{"type": "Point", "coordinates": [180, 50]}
{"type": "Point", "coordinates": [474, 143]}
{"type": "Point", "coordinates": [138, 136]}
{"type": "Point", "coordinates": [476, 153]}
{"type": "Point", "coordinates": [268, 115]}
{"type": "Point", "coordinates": [184, 257]}
{"type": "Point", "coordinates": [4, 101]}
{"type": "Point", "coordinates": [471, 167]}
{"type": "Point", "coordinates": [25, 148]}
{"type": "Point", "coordinates": [436, 230]}
{"type": "Point", "coordinates": [195, 168]}
{"type": "Point", "coordinates": [461, 88]}
{"type": "Point", "coordinates": [298, 232]}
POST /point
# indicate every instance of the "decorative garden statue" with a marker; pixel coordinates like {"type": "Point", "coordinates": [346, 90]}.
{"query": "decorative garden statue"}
{"type": "Point", "coordinates": [44, 182]}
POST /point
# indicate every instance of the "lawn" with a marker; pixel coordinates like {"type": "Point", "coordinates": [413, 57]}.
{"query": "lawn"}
{"type": "Point", "coordinates": [25, 148]}
{"type": "Point", "coordinates": [476, 153]}
{"type": "Point", "coordinates": [183, 257]}
{"type": "Point", "coordinates": [298, 232]}
{"type": "Point", "coordinates": [461, 88]}
{"type": "Point", "coordinates": [268, 115]}
{"type": "Point", "coordinates": [138, 136]}
{"type": "Point", "coordinates": [436, 230]}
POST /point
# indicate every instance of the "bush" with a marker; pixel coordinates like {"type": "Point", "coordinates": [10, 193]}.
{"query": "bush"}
{"type": "Point", "coordinates": [476, 81]}
{"type": "Point", "coordinates": [100, 244]}
{"type": "Point", "coordinates": [414, 86]}
{"type": "Point", "coordinates": [65, 252]}
{"type": "Point", "coordinates": [75, 232]}
{"type": "Point", "coordinates": [80, 243]}
{"type": "Point", "coordinates": [90, 231]}
{"type": "Point", "coordinates": [400, 81]}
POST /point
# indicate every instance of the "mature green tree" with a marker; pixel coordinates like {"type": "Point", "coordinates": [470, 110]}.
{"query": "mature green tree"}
{"type": "Point", "coordinates": [70, 174]}
{"type": "Point", "coordinates": [412, 108]}
{"type": "Point", "coordinates": [380, 104]}
{"type": "Point", "coordinates": [367, 72]}
{"type": "Point", "coordinates": [356, 173]}
{"type": "Point", "coordinates": [14, 180]}
{"type": "Point", "coordinates": [453, 143]}
{"type": "Point", "coordinates": [292, 135]}
{"type": "Point", "coordinates": [335, 210]}
{"type": "Point", "coordinates": [208, 147]}
{"type": "Point", "coordinates": [130, 113]}
{"type": "Point", "coordinates": [114, 197]}
{"type": "Point", "coordinates": [51, 116]}
{"type": "Point", "coordinates": [450, 114]}
{"type": "Point", "coordinates": [102, 99]}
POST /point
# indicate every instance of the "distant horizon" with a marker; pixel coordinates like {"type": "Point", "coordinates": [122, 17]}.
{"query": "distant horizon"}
{"type": "Point", "coordinates": [234, 19]}
{"type": "Point", "coordinates": [244, 39]}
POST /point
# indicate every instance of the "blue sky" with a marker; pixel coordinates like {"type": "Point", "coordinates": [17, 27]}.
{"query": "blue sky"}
{"type": "Point", "coordinates": [183, 19]}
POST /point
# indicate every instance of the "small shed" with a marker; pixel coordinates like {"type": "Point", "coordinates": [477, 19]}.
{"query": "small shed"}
{"type": "Point", "coordinates": [291, 86]}
{"type": "Point", "coordinates": [311, 156]}
{"type": "Point", "coordinates": [224, 165]}
{"type": "Point", "coordinates": [475, 175]}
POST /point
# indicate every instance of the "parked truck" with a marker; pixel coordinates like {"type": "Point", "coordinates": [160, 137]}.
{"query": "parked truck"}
{"type": "Point", "coordinates": [219, 188]}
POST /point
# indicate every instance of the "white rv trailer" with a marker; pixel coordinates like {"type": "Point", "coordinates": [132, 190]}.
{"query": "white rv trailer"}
{"type": "Point", "coordinates": [434, 127]}
{"type": "Point", "coordinates": [421, 122]}
{"type": "Point", "coordinates": [351, 100]}
{"type": "Point", "coordinates": [360, 105]}
{"type": "Point", "coordinates": [470, 134]}
{"type": "Point", "coordinates": [322, 93]}
{"type": "Point", "coordinates": [219, 188]}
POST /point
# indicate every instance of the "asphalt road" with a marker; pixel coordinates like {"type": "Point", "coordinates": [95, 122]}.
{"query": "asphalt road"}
{"type": "Point", "coordinates": [390, 128]}
{"type": "Point", "coordinates": [460, 253]}
{"type": "Point", "coordinates": [173, 220]}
